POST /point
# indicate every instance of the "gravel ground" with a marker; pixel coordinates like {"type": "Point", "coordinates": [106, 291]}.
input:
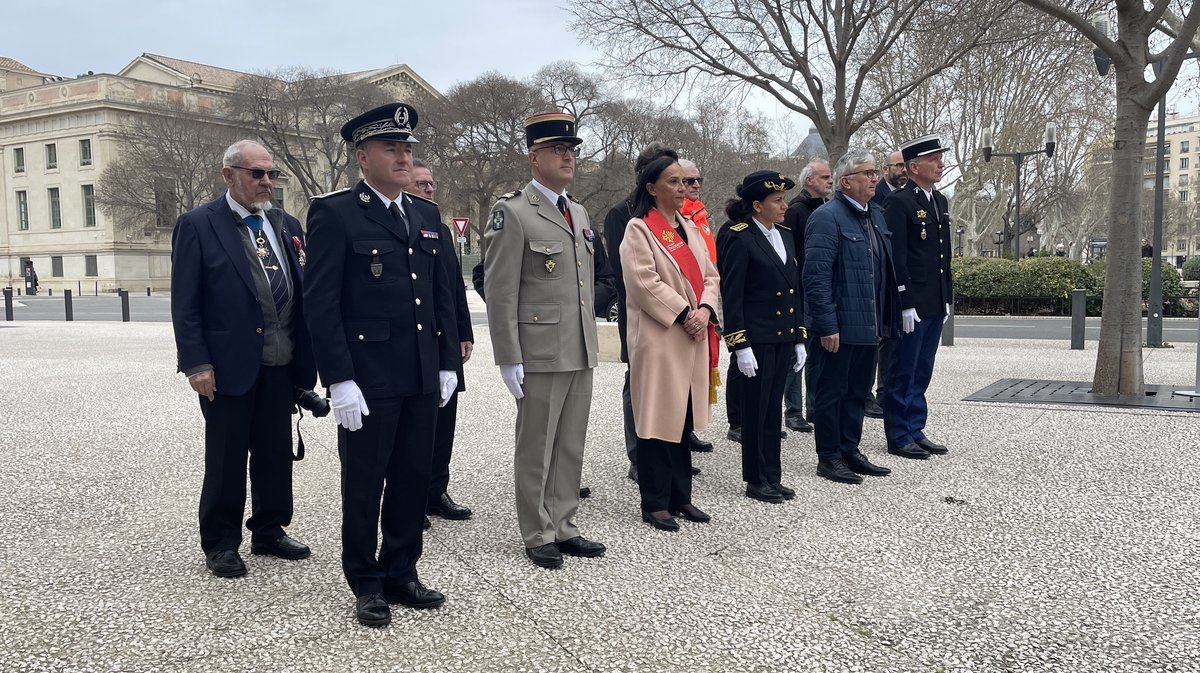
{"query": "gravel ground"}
{"type": "Point", "coordinates": [1049, 539]}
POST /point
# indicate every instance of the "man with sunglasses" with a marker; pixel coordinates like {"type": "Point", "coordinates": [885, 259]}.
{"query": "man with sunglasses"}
{"type": "Point", "coordinates": [242, 341]}
{"type": "Point", "coordinates": [539, 283]}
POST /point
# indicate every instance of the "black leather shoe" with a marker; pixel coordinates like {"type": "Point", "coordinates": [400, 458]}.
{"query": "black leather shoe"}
{"type": "Point", "coordinates": [857, 462]}
{"type": "Point", "coordinates": [692, 513]}
{"type": "Point", "coordinates": [798, 424]}
{"type": "Point", "coordinates": [632, 472]}
{"type": "Point", "coordinates": [873, 410]}
{"type": "Point", "coordinates": [545, 556]}
{"type": "Point", "coordinates": [786, 492]}
{"type": "Point", "coordinates": [695, 470]}
{"type": "Point", "coordinates": [372, 610]}
{"type": "Point", "coordinates": [585, 492]}
{"type": "Point", "coordinates": [581, 546]}
{"type": "Point", "coordinates": [932, 447]}
{"type": "Point", "coordinates": [284, 548]}
{"type": "Point", "coordinates": [734, 435]}
{"type": "Point", "coordinates": [427, 524]}
{"type": "Point", "coordinates": [909, 451]}
{"type": "Point", "coordinates": [668, 524]}
{"type": "Point", "coordinates": [835, 470]}
{"type": "Point", "coordinates": [698, 445]}
{"type": "Point", "coordinates": [446, 508]}
{"type": "Point", "coordinates": [415, 595]}
{"type": "Point", "coordinates": [764, 492]}
{"type": "Point", "coordinates": [225, 563]}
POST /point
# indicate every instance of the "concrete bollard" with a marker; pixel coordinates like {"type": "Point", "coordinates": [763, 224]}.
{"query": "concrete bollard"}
{"type": "Point", "coordinates": [147, 292]}
{"type": "Point", "coordinates": [8, 307]}
{"type": "Point", "coordinates": [70, 308]}
{"type": "Point", "coordinates": [124, 294]}
{"type": "Point", "coordinates": [1078, 319]}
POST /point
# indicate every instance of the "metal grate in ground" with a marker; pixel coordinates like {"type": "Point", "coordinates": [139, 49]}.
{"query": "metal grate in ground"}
{"type": "Point", "coordinates": [1033, 391]}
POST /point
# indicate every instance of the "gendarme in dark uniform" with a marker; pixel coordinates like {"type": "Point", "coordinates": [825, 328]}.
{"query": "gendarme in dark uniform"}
{"type": "Point", "coordinates": [761, 294]}
{"type": "Point", "coordinates": [919, 218]}
{"type": "Point", "coordinates": [381, 314]}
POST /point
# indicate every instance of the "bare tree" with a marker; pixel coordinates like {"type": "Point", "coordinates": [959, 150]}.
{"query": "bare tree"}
{"type": "Point", "coordinates": [169, 162]}
{"type": "Point", "coordinates": [1137, 46]}
{"type": "Point", "coordinates": [297, 113]}
{"type": "Point", "coordinates": [813, 56]}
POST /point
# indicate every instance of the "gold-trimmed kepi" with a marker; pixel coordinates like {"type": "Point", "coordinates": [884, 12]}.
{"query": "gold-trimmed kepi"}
{"type": "Point", "coordinates": [548, 127]}
{"type": "Point", "coordinates": [759, 184]}
{"type": "Point", "coordinates": [919, 147]}
{"type": "Point", "coordinates": [394, 121]}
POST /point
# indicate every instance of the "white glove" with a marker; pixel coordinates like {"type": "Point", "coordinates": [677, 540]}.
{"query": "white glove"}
{"type": "Point", "coordinates": [349, 405]}
{"type": "Point", "coordinates": [947, 314]}
{"type": "Point", "coordinates": [801, 357]}
{"type": "Point", "coordinates": [514, 376]}
{"type": "Point", "coordinates": [746, 362]}
{"type": "Point", "coordinates": [909, 320]}
{"type": "Point", "coordinates": [448, 381]}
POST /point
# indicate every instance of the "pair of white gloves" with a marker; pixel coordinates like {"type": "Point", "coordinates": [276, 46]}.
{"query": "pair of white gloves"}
{"type": "Point", "coordinates": [748, 365]}
{"type": "Point", "coordinates": [909, 319]}
{"type": "Point", "coordinates": [349, 405]}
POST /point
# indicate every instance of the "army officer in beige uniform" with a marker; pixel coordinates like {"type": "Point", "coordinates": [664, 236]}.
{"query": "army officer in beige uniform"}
{"type": "Point", "coordinates": [538, 278]}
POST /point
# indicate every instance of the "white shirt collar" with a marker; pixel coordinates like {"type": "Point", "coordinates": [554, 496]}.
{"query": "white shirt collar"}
{"type": "Point", "coordinates": [387, 203]}
{"type": "Point", "coordinates": [548, 192]}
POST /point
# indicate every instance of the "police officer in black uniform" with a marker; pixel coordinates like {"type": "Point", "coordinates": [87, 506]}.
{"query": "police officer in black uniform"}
{"type": "Point", "coordinates": [764, 321]}
{"type": "Point", "coordinates": [381, 315]}
{"type": "Point", "coordinates": [919, 218]}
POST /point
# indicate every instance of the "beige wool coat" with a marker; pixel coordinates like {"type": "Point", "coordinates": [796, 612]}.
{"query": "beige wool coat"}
{"type": "Point", "coordinates": [665, 365]}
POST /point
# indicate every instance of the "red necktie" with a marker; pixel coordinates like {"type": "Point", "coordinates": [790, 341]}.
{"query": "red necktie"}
{"type": "Point", "coordinates": [566, 212]}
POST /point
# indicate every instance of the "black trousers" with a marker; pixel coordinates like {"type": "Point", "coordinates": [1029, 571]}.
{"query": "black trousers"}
{"type": "Point", "coordinates": [390, 457]}
{"type": "Point", "coordinates": [258, 425]}
{"type": "Point", "coordinates": [665, 470]}
{"type": "Point", "coordinates": [843, 382]}
{"type": "Point", "coordinates": [443, 448]}
{"type": "Point", "coordinates": [762, 409]}
{"type": "Point", "coordinates": [631, 438]}
{"type": "Point", "coordinates": [886, 348]}
{"type": "Point", "coordinates": [733, 394]}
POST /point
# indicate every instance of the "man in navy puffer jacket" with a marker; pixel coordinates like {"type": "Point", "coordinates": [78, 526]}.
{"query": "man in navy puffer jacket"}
{"type": "Point", "coordinates": [850, 290]}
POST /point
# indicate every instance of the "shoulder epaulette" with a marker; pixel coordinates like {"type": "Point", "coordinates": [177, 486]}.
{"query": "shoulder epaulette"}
{"type": "Point", "coordinates": [505, 197]}
{"type": "Point", "coordinates": [738, 227]}
{"type": "Point", "coordinates": [421, 198]}
{"type": "Point", "coordinates": [328, 194]}
{"type": "Point", "coordinates": [785, 228]}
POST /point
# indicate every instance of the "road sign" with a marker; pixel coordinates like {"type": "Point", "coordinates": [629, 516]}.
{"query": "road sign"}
{"type": "Point", "coordinates": [462, 239]}
{"type": "Point", "coordinates": [461, 223]}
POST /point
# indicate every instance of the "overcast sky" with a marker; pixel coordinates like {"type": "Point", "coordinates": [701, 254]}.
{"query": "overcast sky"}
{"type": "Point", "coordinates": [444, 41]}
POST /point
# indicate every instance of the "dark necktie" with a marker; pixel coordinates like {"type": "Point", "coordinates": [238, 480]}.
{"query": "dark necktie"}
{"type": "Point", "coordinates": [401, 221]}
{"type": "Point", "coordinates": [275, 273]}
{"type": "Point", "coordinates": [566, 212]}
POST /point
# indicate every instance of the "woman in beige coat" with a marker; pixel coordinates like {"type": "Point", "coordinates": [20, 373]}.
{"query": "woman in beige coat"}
{"type": "Point", "coordinates": [671, 289]}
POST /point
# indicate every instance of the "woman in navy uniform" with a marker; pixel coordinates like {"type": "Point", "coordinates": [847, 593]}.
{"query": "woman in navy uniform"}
{"type": "Point", "coordinates": [764, 322]}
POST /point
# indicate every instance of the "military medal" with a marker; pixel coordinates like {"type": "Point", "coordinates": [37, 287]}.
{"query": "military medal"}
{"type": "Point", "coordinates": [299, 250]}
{"type": "Point", "coordinates": [550, 265]}
{"type": "Point", "coordinates": [262, 246]}
{"type": "Point", "coordinates": [922, 232]}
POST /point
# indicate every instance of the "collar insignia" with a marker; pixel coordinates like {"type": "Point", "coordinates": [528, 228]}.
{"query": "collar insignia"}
{"type": "Point", "coordinates": [364, 197]}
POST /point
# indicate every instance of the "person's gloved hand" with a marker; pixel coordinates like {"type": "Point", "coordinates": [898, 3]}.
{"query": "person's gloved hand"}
{"type": "Point", "coordinates": [349, 405]}
{"type": "Point", "coordinates": [947, 317]}
{"type": "Point", "coordinates": [801, 357]}
{"type": "Point", "coordinates": [514, 376]}
{"type": "Point", "coordinates": [448, 381]}
{"type": "Point", "coordinates": [746, 363]}
{"type": "Point", "coordinates": [909, 320]}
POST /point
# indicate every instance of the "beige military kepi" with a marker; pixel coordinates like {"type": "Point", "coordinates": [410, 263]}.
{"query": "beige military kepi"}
{"type": "Point", "coordinates": [539, 284]}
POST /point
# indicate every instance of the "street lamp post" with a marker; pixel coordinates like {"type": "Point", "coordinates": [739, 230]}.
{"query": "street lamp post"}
{"type": "Point", "coordinates": [998, 239]}
{"type": "Point", "coordinates": [960, 231]}
{"type": "Point", "coordinates": [1018, 158]}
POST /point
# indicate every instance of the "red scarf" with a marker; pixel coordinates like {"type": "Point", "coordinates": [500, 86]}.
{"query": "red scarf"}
{"type": "Point", "coordinates": [678, 249]}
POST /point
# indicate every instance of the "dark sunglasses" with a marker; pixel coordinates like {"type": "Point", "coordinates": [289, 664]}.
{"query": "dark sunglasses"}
{"type": "Point", "coordinates": [693, 181]}
{"type": "Point", "coordinates": [258, 173]}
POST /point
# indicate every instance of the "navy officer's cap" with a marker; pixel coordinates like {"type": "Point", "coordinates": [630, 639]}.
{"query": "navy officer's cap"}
{"type": "Point", "coordinates": [761, 184]}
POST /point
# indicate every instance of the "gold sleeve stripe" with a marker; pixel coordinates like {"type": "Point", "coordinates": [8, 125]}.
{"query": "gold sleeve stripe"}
{"type": "Point", "coordinates": [738, 337]}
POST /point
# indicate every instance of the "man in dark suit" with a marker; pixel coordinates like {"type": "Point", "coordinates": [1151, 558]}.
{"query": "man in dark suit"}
{"type": "Point", "coordinates": [381, 313]}
{"type": "Point", "coordinates": [236, 291]}
{"type": "Point", "coordinates": [894, 178]}
{"type": "Point", "coordinates": [440, 503]}
{"type": "Point", "coordinates": [919, 218]}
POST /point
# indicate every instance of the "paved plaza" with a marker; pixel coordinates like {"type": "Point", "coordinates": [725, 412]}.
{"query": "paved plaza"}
{"type": "Point", "coordinates": [1049, 539]}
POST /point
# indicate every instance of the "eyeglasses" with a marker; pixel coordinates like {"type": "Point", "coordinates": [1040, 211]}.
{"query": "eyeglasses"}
{"type": "Point", "coordinates": [693, 181]}
{"type": "Point", "coordinates": [426, 184]}
{"type": "Point", "coordinates": [562, 150]}
{"type": "Point", "coordinates": [870, 173]}
{"type": "Point", "coordinates": [258, 173]}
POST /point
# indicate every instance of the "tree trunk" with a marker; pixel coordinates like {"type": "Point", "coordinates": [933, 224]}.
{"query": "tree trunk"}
{"type": "Point", "coordinates": [1119, 356]}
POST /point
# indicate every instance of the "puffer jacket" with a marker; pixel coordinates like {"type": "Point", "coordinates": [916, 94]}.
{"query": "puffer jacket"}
{"type": "Point", "coordinates": [839, 286]}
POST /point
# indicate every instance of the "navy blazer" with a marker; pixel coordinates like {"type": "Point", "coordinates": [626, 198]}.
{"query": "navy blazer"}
{"type": "Point", "coordinates": [214, 302]}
